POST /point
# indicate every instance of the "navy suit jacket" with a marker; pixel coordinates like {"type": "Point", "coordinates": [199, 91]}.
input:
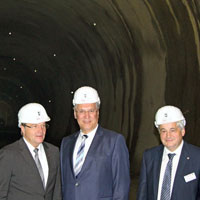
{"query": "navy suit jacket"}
{"type": "Point", "coordinates": [105, 172]}
{"type": "Point", "coordinates": [150, 171]}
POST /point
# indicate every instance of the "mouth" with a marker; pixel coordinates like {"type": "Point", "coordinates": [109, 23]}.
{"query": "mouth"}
{"type": "Point", "coordinates": [39, 136]}
{"type": "Point", "coordinates": [169, 140]}
{"type": "Point", "coordinates": [86, 122]}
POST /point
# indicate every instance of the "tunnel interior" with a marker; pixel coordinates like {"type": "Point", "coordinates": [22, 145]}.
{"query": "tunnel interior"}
{"type": "Point", "coordinates": [139, 55]}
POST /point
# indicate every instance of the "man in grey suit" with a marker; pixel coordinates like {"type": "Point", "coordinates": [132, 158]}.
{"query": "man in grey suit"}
{"type": "Point", "coordinates": [29, 167]}
{"type": "Point", "coordinates": [94, 160]}
{"type": "Point", "coordinates": [170, 171]}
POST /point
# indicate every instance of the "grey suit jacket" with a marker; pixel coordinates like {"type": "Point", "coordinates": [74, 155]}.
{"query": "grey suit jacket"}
{"type": "Point", "coordinates": [187, 179]}
{"type": "Point", "coordinates": [19, 176]}
{"type": "Point", "coordinates": [105, 172]}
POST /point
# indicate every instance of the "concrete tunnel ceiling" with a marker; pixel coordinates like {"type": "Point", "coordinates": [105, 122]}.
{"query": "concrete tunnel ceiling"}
{"type": "Point", "coordinates": [139, 55]}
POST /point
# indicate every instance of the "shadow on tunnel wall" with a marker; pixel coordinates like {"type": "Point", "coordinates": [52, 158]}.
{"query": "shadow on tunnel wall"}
{"type": "Point", "coordinates": [139, 55]}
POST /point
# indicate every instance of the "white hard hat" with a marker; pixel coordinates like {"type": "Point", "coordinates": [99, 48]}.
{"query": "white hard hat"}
{"type": "Point", "coordinates": [168, 114]}
{"type": "Point", "coordinates": [32, 113]}
{"type": "Point", "coordinates": [85, 95]}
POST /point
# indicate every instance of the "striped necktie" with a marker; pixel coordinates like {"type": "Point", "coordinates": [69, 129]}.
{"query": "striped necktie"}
{"type": "Point", "coordinates": [79, 157]}
{"type": "Point", "coordinates": [39, 166]}
{"type": "Point", "coordinates": [166, 185]}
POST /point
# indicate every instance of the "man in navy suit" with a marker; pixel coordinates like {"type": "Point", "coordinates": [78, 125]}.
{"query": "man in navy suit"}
{"type": "Point", "coordinates": [181, 182]}
{"type": "Point", "coordinates": [94, 160]}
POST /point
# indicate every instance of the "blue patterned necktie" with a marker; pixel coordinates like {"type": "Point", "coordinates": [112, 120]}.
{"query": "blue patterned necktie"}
{"type": "Point", "coordinates": [39, 166]}
{"type": "Point", "coordinates": [166, 185]}
{"type": "Point", "coordinates": [79, 157]}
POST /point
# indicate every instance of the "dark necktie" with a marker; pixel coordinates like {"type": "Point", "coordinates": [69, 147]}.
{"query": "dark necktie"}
{"type": "Point", "coordinates": [39, 166]}
{"type": "Point", "coordinates": [79, 156]}
{"type": "Point", "coordinates": [166, 185]}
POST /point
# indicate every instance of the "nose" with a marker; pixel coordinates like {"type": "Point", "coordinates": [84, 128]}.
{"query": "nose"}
{"type": "Point", "coordinates": [168, 134]}
{"type": "Point", "coordinates": [41, 127]}
{"type": "Point", "coordinates": [87, 114]}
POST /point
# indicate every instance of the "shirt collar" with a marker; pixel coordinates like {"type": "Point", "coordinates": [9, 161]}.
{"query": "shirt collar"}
{"type": "Point", "coordinates": [30, 146]}
{"type": "Point", "coordinates": [90, 133]}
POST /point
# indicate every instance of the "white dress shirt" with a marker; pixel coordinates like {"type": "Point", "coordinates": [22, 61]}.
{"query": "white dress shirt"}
{"type": "Point", "coordinates": [165, 160]}
{"type": "Point", "coordinates": [42, 158]}
{"type": "Point", "coordinates": [88, 142]}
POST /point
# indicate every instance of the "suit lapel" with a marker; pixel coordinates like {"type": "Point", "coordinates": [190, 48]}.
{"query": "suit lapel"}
{"type": "Point", "coordinates": [184, 158]}
{"type": "Point", "coordinates": [29, 160]}
{"type": "Point", "coordinates": [91, 152]}
{"type": "Point", "coordinates": [26, 154]}
{"type": "Point", "coordinates": [71, 150]}
{"type": "Point", "coordinates": [156, 170]}
{"type": "Point", "coordinates": [96, 141]}
{"type": "Point", "coordinates": [50, 163]}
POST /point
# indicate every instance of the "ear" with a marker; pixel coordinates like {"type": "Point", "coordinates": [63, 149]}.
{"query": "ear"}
{"type": "Point", "coordinates": [98, 113]}
{"type": "Point", "coordinates": [183, 132]}
{"type": "Point", "coordinates": [22, 130]}
{"type": "Point", "coordinates": [75, 115]}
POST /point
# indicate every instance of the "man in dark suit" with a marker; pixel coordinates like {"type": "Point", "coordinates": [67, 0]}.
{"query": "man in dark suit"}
{"type": "Point", "coordinates": [170, 171]}
{"type": "Point", "coordinates": [29, 167]}
{"type": "Point", "coordinates": [94, 160]}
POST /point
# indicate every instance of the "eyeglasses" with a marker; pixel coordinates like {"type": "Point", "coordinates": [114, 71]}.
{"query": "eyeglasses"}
{"type": "Point", "coordinates": [35, 126]}
{"type": "Point", "coordinates": [83, 112]}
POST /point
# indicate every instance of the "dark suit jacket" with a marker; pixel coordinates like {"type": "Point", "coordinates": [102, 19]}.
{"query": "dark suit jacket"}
{"type": "Point", "coordinates": [149, 176]}
{"type": "Point", "coordinates": [19, 176]}
{"type": "Point", "coordinates": [105, 172]}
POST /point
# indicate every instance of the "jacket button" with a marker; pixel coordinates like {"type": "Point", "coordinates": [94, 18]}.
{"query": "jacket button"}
{"type": "Point", "coordinates": [77, 184]}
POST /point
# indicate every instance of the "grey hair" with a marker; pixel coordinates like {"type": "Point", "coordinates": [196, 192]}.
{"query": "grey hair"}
{"type": "Point", "coordinates": [179, 124]}
{"type": "Point", "coordinates": [97, 106]}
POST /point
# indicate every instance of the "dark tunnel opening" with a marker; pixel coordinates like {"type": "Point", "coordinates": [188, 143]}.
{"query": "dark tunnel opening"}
{"type": "Point", "coordinates": [138, 55]}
